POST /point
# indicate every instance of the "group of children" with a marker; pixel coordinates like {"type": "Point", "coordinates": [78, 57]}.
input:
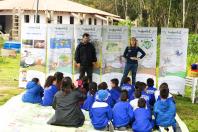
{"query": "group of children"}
{"type": "Point", "coordinates": [125, 106]}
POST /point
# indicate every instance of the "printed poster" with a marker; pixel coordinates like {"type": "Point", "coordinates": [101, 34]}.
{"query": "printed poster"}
{"type": "Point", "coordinates": [115, 40]}
{"type": "Point", "coordinates": [33, 53]}
{"type": "Point", "coordinates": [60, 41]}
{"type": "Point", "coordinates": [147, 41]}
{"type": "Point", "coordinates": [173, 56]}
{"type": "Point", "coordinates": [96, 39]}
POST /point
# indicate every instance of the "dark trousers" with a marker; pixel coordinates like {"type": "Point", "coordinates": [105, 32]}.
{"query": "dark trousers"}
{"type": "Point", "coordinates": [130, 67]}
{"type": "Point", "coordinates": [88, 70]}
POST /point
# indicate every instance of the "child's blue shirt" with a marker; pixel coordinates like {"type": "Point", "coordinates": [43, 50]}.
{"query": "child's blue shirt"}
{"type": "Point", "coordinates": [88, 102]}
{"type": "Point", "coordinates": [115, 94]}
{"type": "Point", "coordinates": [130, 88]}
{"type": "Point", "coordinates": [143, 120]}
{"type": "Point", "coordinates": [100, 114]}
{"type": "Point", "coordinates": [151, 92]}
{"type": "Point", "coordinates": [49, 95]}
{"type": "Point", "coordinates": [122, 114]}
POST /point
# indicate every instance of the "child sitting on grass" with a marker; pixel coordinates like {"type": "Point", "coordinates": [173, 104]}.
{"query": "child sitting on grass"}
{"type": "Point", "coordinates": [34, 92]}
{"type": "Point", "coordinates": [115, 90]}
{"type": "Point", "coordinates": [122, 112]}
{"type": "Point", "coordinates": [50, 90]}
{"type": "Point", "coordinates": [65, 103]}
{"type": "Point", "coordinates": [143, 120]}
{"type": "Point", "coordinates": [100, 112]}
{"type": "Point", "coordinates": [165, 109]}
{"type": "Point", "coordinates": [90, 96]}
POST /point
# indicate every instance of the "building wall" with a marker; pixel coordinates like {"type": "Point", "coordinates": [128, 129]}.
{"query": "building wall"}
{"type": "Point", "coordinates": [65, 19]}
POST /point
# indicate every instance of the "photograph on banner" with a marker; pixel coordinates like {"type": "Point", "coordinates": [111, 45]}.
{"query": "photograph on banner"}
{"type": "Point", "coordinates": [173, 57]}
{"type": "Point", "coordinates": [33, 52]}
{"type": "Point", "coordinates": [59, 53]}
{"type": "Point", "coordinates": [95, 33]}
{"type": "Point", "coordinates": [147, 41]}
{"type": "Point", "coordinates": [115, 40]}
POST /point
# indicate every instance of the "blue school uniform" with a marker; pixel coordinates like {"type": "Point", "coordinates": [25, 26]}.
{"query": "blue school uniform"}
{"type": "Point", "coordinates": [122, 114]}
{"type": "Point", "coordinates": [130, 88]}
{"type": "Point", "coordinates": [143, 120]}
{"type": "Point", "coordinates": [146, 97]}
{"type": "Point", "coordinates": [33, 93]}
{"type": "Point", "coordinates": [115, 94]}
{"type": "Point", "coordinates": [49, 95]}
{"type": "Point", "coordinates": [151, 92]}
{"type": "Point", "coordinates": [88, 102]}
{"type": "Point", "coordinates": [164, 112]}
{"type": "Point", "coordinates": [100, 114]}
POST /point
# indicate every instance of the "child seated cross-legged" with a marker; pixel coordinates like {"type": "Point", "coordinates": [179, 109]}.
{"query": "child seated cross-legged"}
{"type": "Point", "coordinates": [122, 112]}
{"type": "Point", "coordinates": [100, 112]}
{"type": "Point", "coordinates": [90, 96]}
{"type": "Point", "coordinates": [65, 103]}
{"type": "Point", "coordinates": [165, 109]}
{"type": "Point", "coordinates": [115, 90]}
{"type": "Point", "coordinates": [143, 120]}
{"type": "Point", "coordinates": [34, 92]}
{"type": "Point", "coordinates": [50, 90]}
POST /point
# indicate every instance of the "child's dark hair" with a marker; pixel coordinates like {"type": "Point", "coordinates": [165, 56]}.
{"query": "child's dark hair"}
{"type": "Point", "coordinates": [141, 86]}
{"type": "Point", "coordinates": [102, 86]}
{"type": "Point", "coordinates": [36, 80]}
{"type": "Point", "coordinates": [164, 91]}
{"type": "Point", "coordinates": [141, 103]}
{"type": "Point", "coordinates": [150, 82]}
{"type": "Point", "coordinates": [93, 88]}
{"type": "Point", "coordinates": [85, 35]}
{"type": "Point", "coordinates": [66, 85]}
{"type": "Point", "coordinates": [59, 77]}
{"type": "Point", "coordinates": [49, 81]}
{"type": "Point", "coordinates": [163, 85]}
{"type": "Point", "coordinates": [137, 93]}
{"type": "Point", "coordinates": [124, 95]}
{"type": "Point", "coordinates": [137, 85]}
{"type": "Point", "coordinates": [126, 79]}
{"type": "Point", "coordinates": [115, 81]}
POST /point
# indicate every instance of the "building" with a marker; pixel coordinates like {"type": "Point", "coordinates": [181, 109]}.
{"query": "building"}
{"type": "Point", "coordinates": [14, 13]}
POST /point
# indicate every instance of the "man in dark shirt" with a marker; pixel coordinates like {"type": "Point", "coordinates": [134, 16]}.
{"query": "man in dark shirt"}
{"type": "Point", "coordinates": [85, 57]}
{"type": "Point", "coordinates": [130, 54]}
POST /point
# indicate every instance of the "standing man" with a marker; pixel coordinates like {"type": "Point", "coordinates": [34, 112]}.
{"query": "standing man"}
{"type": "Point", "coordinates": [85, 57]}
{"type": "Point", "coordinates": [130, 54]}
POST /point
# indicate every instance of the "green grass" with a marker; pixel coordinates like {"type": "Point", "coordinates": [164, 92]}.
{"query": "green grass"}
{"type": "Point", "coordinates": [187, 111]}
{"type": "Point", "coordinates": [9, 71]}
{"type": "Point", "coordinates": [6, 94]}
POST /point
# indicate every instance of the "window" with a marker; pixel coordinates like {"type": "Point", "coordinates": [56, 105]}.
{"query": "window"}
{"type": "Point", "coordinates": [26, 18]}
{"type": "Point", "coordinates": [71, 20]}
{"type": "Point", "coordinates": [59, 19]}
{"type": "Point", "coordinates": [95, 21]}
{"type": "Point", "coordinates": [38, 19]}
{"type": "Point", "coordinates": [90, 21]}
{"type": "Point", "coordinates": [81, 22]}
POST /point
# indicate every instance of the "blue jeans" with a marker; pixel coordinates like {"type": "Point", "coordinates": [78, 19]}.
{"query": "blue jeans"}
{"type": "Point", "coordinates": [130, 67]}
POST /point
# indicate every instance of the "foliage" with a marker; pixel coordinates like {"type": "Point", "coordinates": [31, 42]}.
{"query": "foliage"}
{"type": "Point", "coordinates": [154, 13]}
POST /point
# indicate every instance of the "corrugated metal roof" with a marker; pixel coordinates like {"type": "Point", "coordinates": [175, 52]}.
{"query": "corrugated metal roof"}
{"type": "Point", "coordinates": [52, 5]}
